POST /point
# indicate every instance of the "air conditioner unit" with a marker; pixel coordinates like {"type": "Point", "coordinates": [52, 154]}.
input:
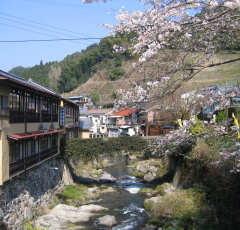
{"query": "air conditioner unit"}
{"type": "Point", "coordinates": [43, 127]}
{"type": "Point", "coordinates": [53, 126]}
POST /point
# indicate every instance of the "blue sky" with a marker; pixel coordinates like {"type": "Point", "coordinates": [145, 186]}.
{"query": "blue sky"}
{"type": "Point", "coordinates": [52, 19]}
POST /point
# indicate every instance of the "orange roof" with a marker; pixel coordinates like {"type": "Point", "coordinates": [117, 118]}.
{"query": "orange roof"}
{"type": "Point", "coordinates": [125, 112]}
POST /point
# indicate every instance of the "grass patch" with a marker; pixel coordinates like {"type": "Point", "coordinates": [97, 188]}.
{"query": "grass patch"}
{"type": "Point", "coordinates": [181, 202]}
{"type": "Point", "coordinates": [74, 194]}
{"type": "Point", "coordinates": [144, 191]}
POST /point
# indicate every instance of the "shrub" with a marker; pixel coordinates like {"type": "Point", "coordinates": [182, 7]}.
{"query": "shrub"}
{"type": "Point", "coordinates": [116, 73]}
{"type": "Point", "coordinates": [221, 116]}
{"type": "Point", "coordinates": [198, 128]}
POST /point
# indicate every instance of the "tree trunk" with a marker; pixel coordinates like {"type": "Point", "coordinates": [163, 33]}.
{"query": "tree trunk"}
{"type": "Point", "coordinates": [177, 175]}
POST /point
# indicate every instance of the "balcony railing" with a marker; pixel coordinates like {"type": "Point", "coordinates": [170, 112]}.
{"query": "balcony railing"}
{"type": "Point", "coordinates": [46, 117]}
{"type": "Point", "coordinates": [55, 117]}
{"type": "Point", "coordinates": [16, 166]}
{"type": "Point", "coordinates": [113, 126]}
{"type": "Point", "coordinates": [33, 117]}
{"type": "Point", "coordinates": [32, 160]}
{"type": "Point", "coordinates": [16, 116]}
{"type": "Point", "coordinates": [26, 163]}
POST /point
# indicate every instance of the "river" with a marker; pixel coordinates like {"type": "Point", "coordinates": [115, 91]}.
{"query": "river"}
{"type": "Point", "coordinates": [126, 205]}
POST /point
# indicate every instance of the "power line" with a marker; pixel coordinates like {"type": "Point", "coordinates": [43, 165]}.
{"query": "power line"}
{"type": "Point", "coordinates": [50, 40]}
{"type": "Point", "coordinates": [83, 6]}
{"type": "Point", "coordinates": [38, 27]}
{"type": "Point", "coordinates": [43, 24]}
{"type": "Point", "coordinates": [37, 32]}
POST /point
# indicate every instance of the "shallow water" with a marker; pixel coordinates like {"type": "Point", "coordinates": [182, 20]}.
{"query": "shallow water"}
{"type": "Point", "coordinates": [126, 205]}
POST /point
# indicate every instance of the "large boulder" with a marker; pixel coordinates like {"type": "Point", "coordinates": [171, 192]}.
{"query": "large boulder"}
{"type": "Point", "coordinates": [61, 215]}
{"type": "Point", "coordinates": [142, 166]}
{"type": "Point", "coordinates": [108, 221]}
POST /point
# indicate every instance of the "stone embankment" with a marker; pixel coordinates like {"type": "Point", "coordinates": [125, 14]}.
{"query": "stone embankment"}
{"type": "Point", "coordinates": [23, 197]}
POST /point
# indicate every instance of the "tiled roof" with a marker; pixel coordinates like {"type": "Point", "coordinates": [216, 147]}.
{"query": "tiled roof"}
{"type": "Point", "coordinates": [125, 112]}
{"type": "Point", "coordinates": [31, 84]}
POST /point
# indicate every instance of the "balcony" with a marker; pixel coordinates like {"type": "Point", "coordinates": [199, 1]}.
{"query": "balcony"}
{"type": "Point", "coordinates": [46, 117]}
{"type": "Point", "coordinates": [33, 117]}
{"type": "Point", "coordinates": [55, 117]}
{"type": "Point", "coordinates": [25, 163]}
{"type": "Point", "coordinates": [16, 116]}
{"type": "Point", "coordinates": [113, 126]}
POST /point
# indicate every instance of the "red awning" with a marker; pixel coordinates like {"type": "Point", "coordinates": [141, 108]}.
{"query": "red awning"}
{"type": "Point", "coordinates": [19, 136]}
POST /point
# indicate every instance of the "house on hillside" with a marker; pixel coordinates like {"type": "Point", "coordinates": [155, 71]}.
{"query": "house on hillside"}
{"type": "Point", "coordinates": [123, 122]}
{"type": "Point", "coordinates": [99, 119]}
{"type": "Point", "coordinates": [85, 123]}
{"type": "Point", "coordinates": [33, 118]}
{"type": "Point", "coordinates": [81, 101]}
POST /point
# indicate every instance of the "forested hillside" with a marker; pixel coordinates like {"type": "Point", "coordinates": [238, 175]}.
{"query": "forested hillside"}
{"type": "Point", "coordinates": [77, 68]}
{"type": "Point", "coordinates": [98, 71]}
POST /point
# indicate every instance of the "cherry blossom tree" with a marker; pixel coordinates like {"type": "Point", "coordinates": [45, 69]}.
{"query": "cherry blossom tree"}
{"type": "Point", "coordinates": [176, 40]}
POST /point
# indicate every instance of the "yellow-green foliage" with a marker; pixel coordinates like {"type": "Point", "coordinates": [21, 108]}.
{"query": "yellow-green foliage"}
{"type": "Point", "coordinates": [29, 226]}
{"type": "Point", "coordinates": [198, 128]}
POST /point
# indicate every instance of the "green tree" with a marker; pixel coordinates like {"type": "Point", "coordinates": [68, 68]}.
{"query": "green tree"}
{"type": "Point", "coordinates": [95, 96]}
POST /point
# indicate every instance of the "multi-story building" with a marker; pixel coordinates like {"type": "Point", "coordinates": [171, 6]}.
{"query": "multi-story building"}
{"type": "Point", "coordinates": [81, 101]}
{"type": "Point", "coordinates": [123, 122]}
{"type": "Point", "coordinates": [32, 120]}
{"type": "Point", "coordinates": [99, 119]}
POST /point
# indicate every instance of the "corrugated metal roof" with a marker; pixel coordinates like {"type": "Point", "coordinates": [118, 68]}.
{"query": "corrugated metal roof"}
{"type": "Point", "coordinates": [99, 111]}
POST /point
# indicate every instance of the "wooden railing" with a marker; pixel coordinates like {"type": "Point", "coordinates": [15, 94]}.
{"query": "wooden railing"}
{"type": "Point", "coordinates": [33, 117]}
{"type": "Point", "coordinates": [16, 166]}
{"type": "Point", "coordinates": [32, 160]}
{"type": "Point", "coordinates": [55, 117]}
{"type": "Point", "coordinates": [46, 117]}
{"type": "Point", "coordinates": [16, 116]}
{"type": "Point", "coordinates": [26, 163]}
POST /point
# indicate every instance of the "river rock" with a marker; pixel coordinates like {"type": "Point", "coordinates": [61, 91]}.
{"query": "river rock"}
{"type": "Point", "coordinates": [108, 221]}
{"type": "Point", "coordinates": [28, 214]}
{"type": "Point", "coordinates": [106, 178]}
{"type": "Point", "coordinates": [132, 157]}
{"type": "Point", "coordinates": [92, 208]}
{"type": "Point", "coordinates": [142, 166]}
{"type": "Point", "coordinates": [1, 214]}
{"type": "Point", "coordinates": [61, 215]}
{"type": "Point", "coordinates": [151, 201]}
{"type": "Point", "coordinates": [149, 177]}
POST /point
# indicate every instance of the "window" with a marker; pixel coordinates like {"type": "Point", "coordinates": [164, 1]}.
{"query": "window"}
{"type": "Point", "coordinates": [69, 111]}
{"type": "Point", "coordinates": [54, 107]}
{"type": "Point", "coordinates": [3, 105]}
{"type": "Point", "coordinates": [54, 140]}
{"type": "Point", "coordinates": [15, 150]}
{"type": "Point", "coordinates": [45, 107]}
{"type": "Point", "coordinates": [32, 102]}
{"type": "Point", "coordinates": [45, 143]}
{"type": "Point", "coordinates": [30, 147]}
{"type": "Point", "coordinates": [16, 99]}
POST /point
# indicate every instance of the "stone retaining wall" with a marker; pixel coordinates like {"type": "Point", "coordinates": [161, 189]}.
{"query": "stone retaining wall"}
{"type": "Point", "coordinates": [22, 197]}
